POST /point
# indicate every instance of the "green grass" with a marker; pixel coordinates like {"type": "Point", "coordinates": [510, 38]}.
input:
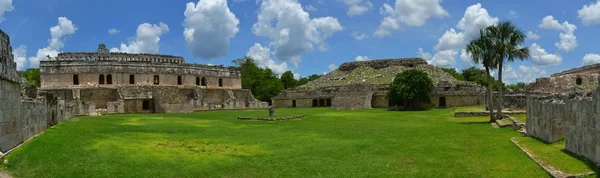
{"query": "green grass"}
{"type": "Point", "coordinates": [520, 117]}
{"type": "Point", "coordinates": [555, 155]}
{"type": "Point", "coordinates": [327, 143]}
{"type": "Point", "coordinates": [470, 108]}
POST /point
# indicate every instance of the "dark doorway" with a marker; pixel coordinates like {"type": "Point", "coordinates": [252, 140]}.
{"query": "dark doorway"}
{"type": "Point", "coordinates": [321, 102]}
{"type": "Point", "coordinates": [132, 79]}
{"type": "Point", "coordinates": [293, 103]}
{"type": "Point", "coordinates": [197, 80]}
{"type": "Point", "coordinates": [220, 82]}
{"type": "Point", "coordinates": [315, 103]}
{"type": "Point", "coordinates": [579, 81]}
{"type": "Point", "coordinates": [179, 82]}
{"type": "Point", "coordinates": [75, 80]}
{"type": "Point", "coordinates": [328, 102]}
{"type": "Point", "coordinates": [101, 79]}
{"type": "Point", "coordinates": [442, 102]}
{"type": "Point", "coordinates": [203, 81]}
{"type": "Point", "coordinates": [145, 105]}
{"type": "Point", "coordinates": [156, 80]}
{"type": "Point", "coordinates": [109, 79]}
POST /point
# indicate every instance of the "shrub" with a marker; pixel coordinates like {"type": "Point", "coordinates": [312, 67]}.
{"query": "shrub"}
{"type": "Point", "coordinates": [411, 89]}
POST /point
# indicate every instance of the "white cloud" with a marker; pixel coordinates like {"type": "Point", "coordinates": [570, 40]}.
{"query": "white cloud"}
{"type": "Point", "coordinates": [58, 34]}
{"type": "Point", "coordinates": [357, 7]}
{"type": "Point", "coordinates": [589, 59]}
{"type": "Point", "coordinates": [113, 31]}
{"type": "Point", "coordinates": [540, 57]}
{"type": "Point", "coordinates": [509, 74]}
{"type": "Point", "coordinates": [362, 58]}
{"type": "Point", "coordinates": [359, 36]}
{"type": "Point", "coordinates": [530, 74]}
{"type": "Point", "coordinates": [262, 55]}
{"type": "Point", "coordinates": [410, 13]}
{"type": "Point", "coordinates": [451, 40]}
{"type": "Point", "coordinates": [512, 14]}
{"type": "Point", "coordinates": [5, 6]}
{"type": "Point", "coordinates": [475, 18]}
{"type": "Point", "coordinates": [332, 67]}
{"type": "Point", "coordinates": [310, 8]}
{"type": "Point", "coordinates": [590, 13]}
{"type": "Point", "coordinates": [209, 25]}
{"type": "Point", "coordinates": [291, 30]}
{"type": "Point", "coordinates": [423, 54]}
{"type": "Point", "coordinates": [445, 59]}
{"type": "Point", "coordinates": [568, 40]}
{"type": "Point", "coordinates": [146, 39]}
{"type": "Point", "coordinates": [532, 35]}
{"type": "Point", "coordinates": [20, 56]}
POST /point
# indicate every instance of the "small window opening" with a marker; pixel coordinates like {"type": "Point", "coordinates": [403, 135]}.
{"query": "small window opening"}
{"type": "Point", "coordinates": [75, 79]}
{"type": "Point", "coordinates": [179, 82]}
{"type": "Point", "coordinates": [101, 79]}
{"type": "Point", "coordinates": [132, 79]}
{"type": "Point", "coordinates": [156, 80]}
{"type": "Point", "coordinates": [109, 79]}
{"type": "Point", "coordinates": [579, 81]}
{"type": "Point", "coordinates": [220, 82]}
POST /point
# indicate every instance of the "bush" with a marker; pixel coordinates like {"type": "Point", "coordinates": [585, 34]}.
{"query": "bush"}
{"type": "Point", "coordinates": [411, 89]}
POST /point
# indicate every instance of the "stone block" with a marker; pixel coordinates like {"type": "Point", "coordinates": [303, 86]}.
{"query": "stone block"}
{"type": "Point", "coordinates": [596, 159]}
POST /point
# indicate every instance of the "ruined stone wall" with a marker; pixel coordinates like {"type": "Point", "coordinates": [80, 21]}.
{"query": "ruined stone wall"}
{"type": "Point", "coordinates": [380, 101]}
{"type": "Point", "coordinates": [99, 56]}
{"type": "Point", "coordinates": [353, 100]}
{"type": "Point", "coordinates": [383, 63]}
{"type": "Point", "coordinates": [545, 119]}
{"type": "Point", "coordinates": [575, 82]}
{"type": "Point", "coordinates": [61, 74]}
{"type": "Point", "coordinates": [458, 100]}
{"type": "Point", "coordinates": [589, 69]}
{"type": "Point", "coordinates": [511, 101]}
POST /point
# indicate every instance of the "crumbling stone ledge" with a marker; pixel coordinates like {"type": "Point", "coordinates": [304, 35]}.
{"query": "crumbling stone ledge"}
{"type": "Point", "coordinates": [271, 119]}
{"type": "Point", "coordinates": [483, 113]}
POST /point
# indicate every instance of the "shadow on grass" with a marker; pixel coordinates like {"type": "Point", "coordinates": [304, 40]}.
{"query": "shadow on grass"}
{"type": "Point", "coordinates": [590, 164]}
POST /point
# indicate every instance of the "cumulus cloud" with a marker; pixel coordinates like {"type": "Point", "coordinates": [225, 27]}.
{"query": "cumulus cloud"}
{"type": "Point", "coordinates": [146, 39]}
{"type": "Point", "coordinates": [509, 74]}
{"type": "Point", "coordinates": [262, 55]}
{"type": "Point", "coordinates": [209, 25]}
{"type": "Point", "coordinates": [5, 6]}
{"type": "Point", "coordinates": [590, 13]}
{"type": "Point", "coordinates": [453, 41]}
{"type": "Point", "coordinates": [332, 67]}
{"type": "Point", "coordinates": [310, 8]}
{"type": "Point", "coordinates": [568, 40]}
{"type": "Point", "coordinates": [408, 12]}
{"type": "Point", "coordinates": [58, 34]}
{"type": "Point", "coordinates": [540, 57]}
{"type": "Point", "coordinates": [529, 74]}
{"type": "Point", "coordinates": [359, 36]}
{"type": "Point", "coordinates": [113, 31]}
{"type": "Point", "coordinates": [423, 54]}
{"type": "Point", "coordinates": [357, 7]}
{"type": "Point", "coordinates": [362, 58]}
{"type": "Point", "coordinates": [589, 59]}
{"type": "Point", "coordinates": [291, 30]}
{"type": "Point", "coordinates": [532, 35]}
{"type": "Point", "coordinates": [20, 56]}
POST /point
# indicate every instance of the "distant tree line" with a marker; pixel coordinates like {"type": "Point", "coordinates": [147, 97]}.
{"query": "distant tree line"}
{"type": "Point", "coordinates": [478, 76]}
{"type": "Point", "coordinates": [263, 82]}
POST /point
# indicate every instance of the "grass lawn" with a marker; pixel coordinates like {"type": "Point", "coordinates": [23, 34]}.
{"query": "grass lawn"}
{"type": "Point", "coordinates": [555, 155]}
{"type": "Point", "coordinates": [520, 117]}
{"type": "Point", "coordinates": [327, 143]}
{"type": "Point", "coordinates": [470, 108]}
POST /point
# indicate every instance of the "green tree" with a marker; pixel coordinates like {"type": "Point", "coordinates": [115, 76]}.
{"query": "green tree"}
{"type": "Point", "coordinates": [519, 85]}
{"type": "Point", "coordinates": [454, 74]}
{"type": "Point", "coordinates": [32, 75]}
{"type": "Point", "coordinates": [302, 81]}
{"type": "Point", "coordinates": [262, 82]}
{"type": "Point", "coordinates": [288, 80]}
{"type": "Point", "coordinates": [506, 39]}
{"type": "Point", "coordinates": [482, 51]}
{"type": "Point", "coordinates": [313, 77]}
{"type": "Point", "coordinates": [411, 88]}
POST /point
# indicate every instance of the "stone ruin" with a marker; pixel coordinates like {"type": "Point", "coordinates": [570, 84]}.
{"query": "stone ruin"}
{"type": "Point", "coordinates": [364, 84]}
{"type": "Point", "coordinates": [109, 82]}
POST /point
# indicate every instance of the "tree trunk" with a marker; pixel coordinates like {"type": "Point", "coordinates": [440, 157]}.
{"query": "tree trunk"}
{"type": "Point", "coordinates": [489, 95]}
{"type": "Point", "coordinates": [500, 95]}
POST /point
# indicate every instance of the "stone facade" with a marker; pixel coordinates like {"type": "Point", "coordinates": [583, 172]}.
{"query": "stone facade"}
{"type": "Point", "coordinates": [364, 84]}
{"type": "Point", "coordinates": [573, 117]}
{"type": "Point", "coordinates": [141, 83]}
{"type": "Point", "coordinates": [583, 79]}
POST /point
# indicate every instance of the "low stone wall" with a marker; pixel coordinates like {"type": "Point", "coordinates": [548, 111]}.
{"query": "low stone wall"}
{"type": "Point", "coordinates": [510, 101]}
{"type": "Point", "coordinates": [271, 119]}
{"type": "Point", "coordinates": [483, 113]}
{"type": "Point", "coordinates": [545, 119]}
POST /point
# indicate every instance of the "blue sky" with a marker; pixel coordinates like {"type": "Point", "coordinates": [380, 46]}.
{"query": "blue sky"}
{"type": "Point", "coordinates": [305, 36]}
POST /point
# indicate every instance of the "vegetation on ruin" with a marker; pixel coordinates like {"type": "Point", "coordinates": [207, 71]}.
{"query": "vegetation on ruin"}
{"type": "Point", "coordinates": [327, 143]}
{"type": "Point", "coordinates": [520, 117]}
{"type": "Point", "coordinates": [32, 75]}
{"type": "Point", "coordinates": [411, 89]}
{"type": "Point", "coordinates": [454, 73]}
{"type": "Point", "coordinates": [555, 155]}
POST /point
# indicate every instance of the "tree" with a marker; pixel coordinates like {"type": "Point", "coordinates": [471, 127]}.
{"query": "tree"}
{"type": "Point", "coordinates": [288, 80]}
{"type": "Point", "coordinates": [411, 88]}
{"type": "Point", "coordinates": [262, 82]}
{"type": "Point", "coordinates": [454, 74]}
{"type": "Point", "coordinates": [478, 76]}
{"type": "Point", "coordinates": [32, 75]}
{"type": "Point", "coordinates": [506, 38]}
{"type": "Point", "coordinates": [482, 51]}
{"type": "Point", "coordinates": [313, 77]}
{"type": "Point", "coordinates": [519, 85]}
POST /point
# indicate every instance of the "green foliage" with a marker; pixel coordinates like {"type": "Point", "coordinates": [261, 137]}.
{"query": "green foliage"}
{"type": "Point", "coordinates": [32, 75]}
{"type": "Point", "coordinates": [411, 88]}
{"type": "Point", "coordinates": [288, 80]}
{"type": "Point", "coordinates": [314, 77]}
{"type": "Point", "coordinates": [478, 76]}
{"type": "Point", "coordinates": [327, 143]}
{"type": "Point", "coordinates": [519, 85]}
{"type": "Point", "coordinates": [454, 74]}
{"type": "Point", "coordinates": [263, 83]}
{"type": "Point", "coordinates": [305, 80]}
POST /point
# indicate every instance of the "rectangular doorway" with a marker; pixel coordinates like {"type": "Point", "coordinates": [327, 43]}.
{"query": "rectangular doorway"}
{"type": "Point", "coordinates": [146, 105]}
{"type": "Point", "coordinates": [442, 102]}
{"type": "Point", "coordinates": [293, 103]}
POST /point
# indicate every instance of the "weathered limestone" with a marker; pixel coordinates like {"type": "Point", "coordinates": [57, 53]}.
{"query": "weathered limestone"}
{"type": "Point", "coordinates": [583, 79]}
{"type": "Point", "coordinates": [364, 84]}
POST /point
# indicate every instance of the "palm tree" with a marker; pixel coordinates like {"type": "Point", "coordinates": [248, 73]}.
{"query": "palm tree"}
{"type": "Point", "coordinates": [507, 38]}
{"type": "Point", "coordinates": [482, 50]}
